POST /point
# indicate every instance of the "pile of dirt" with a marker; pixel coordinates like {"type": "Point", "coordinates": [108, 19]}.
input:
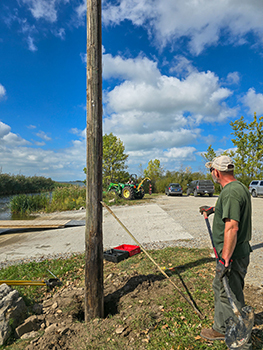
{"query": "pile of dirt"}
{"type": "Point", "coordinates": [127, 298]}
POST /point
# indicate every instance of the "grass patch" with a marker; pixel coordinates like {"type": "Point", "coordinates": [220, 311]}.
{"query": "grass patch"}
{"type": "Point", "coordinates": [152, 313]}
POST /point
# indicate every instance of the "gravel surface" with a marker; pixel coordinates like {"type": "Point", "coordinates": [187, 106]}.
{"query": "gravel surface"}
{"type": "Point", "coordinates": [184, 210]}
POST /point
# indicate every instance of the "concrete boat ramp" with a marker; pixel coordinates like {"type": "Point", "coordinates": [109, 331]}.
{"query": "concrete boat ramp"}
{"type": "Point", "coordinates": [148, 224]}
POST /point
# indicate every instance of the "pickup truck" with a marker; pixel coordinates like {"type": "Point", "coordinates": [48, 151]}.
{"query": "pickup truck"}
{"type": "Point", "coordinates": [201, 187]}
{"type": "Point", "coordinates": [256, 188]}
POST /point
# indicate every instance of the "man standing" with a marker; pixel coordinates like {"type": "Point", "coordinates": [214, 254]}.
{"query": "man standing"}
{"type": "Point", "coordinates": [231, 236]}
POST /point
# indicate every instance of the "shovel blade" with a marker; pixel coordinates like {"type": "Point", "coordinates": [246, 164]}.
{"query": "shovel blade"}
{"type": "Point", "coordinates": [238, 333]}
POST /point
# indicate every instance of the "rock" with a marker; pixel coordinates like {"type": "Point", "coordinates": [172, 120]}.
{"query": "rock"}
{"type": "Point", "coordinates": [54, 306]}
{"type": "Point", "coordinates": [32, 334]}
{"type": "Point", "coordinates": [32, 323]}
{"type": "Point", "coordinates": [53, 327]}
{"type": "Point", "coordinates": [37, 309]}
{"type": "Point", "coordinates": [13, 311]}
{"type": "Point", "coordinates": [120, 329]}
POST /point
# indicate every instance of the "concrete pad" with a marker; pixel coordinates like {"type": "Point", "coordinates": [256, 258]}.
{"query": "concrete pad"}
{"type": "Point", "coordinates": [148, 223]}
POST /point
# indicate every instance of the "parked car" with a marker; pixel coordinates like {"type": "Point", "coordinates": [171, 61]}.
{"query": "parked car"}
{"type": "Point", "coordinates": [174, 189]}
{"type": "Point", "coordinates": [256, 188]}
{"type": "Point", "coordinates": [201, 187]}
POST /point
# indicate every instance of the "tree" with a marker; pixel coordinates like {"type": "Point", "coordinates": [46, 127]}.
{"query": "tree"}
{"type": "Point", "coordinates": [113, 158]}
{"type": "Point", "coordinates": [154, 170]}
{"type": "Point", "coordinates": [249, 147]}
{"type": "Point", "coordinates": [113, 162]}
{"type": "Point", "coordinates": [209, 155]}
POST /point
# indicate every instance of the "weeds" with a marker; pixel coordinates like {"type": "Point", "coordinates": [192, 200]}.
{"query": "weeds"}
{"type": "Point", "coordinates": [27, 204]}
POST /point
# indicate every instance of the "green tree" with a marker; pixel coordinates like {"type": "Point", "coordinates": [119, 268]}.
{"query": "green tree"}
{"type": "Point", "coordinates": [113, 162]}
{"type": "Point", "coordinates": [154, 170]}
{"type": "Point", "coordinates": [209, 155]}
{"type": "Point", "coordinates": [249, 147]}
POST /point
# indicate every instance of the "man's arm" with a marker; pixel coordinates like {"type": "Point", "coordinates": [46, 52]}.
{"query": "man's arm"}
{"type": "Point", "coordinates": [230, 239]}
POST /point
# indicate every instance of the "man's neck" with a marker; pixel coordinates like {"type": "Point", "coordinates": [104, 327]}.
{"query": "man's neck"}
{"type": "Point", "coordinates": [227, 179]}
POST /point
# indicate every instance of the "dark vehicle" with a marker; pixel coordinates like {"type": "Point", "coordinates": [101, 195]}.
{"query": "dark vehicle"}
{"type": "Point", "coordinates": [256, 188]}
{"type": "Point", "coordinates": [174, 189]}
{"type": "Point", "coordinates": [201, 187]}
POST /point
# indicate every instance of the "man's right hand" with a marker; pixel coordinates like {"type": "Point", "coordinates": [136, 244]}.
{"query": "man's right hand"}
{"type": "Point", "coordinates": [208, 210]}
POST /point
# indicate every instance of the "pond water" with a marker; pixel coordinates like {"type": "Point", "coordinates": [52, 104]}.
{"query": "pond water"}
{"type": "Point", "coordinates": [5, 212]}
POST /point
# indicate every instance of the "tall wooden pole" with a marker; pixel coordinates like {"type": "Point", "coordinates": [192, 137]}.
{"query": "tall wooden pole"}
{"type": "Point", "coordinates": [94, 297]}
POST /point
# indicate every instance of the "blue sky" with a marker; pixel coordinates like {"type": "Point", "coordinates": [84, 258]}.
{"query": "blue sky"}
{"type": "Point", "coordinates": [175, 74]}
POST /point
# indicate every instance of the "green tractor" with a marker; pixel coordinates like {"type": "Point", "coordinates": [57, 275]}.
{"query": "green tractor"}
{"type": "Point", "coordinates": [131, 189]}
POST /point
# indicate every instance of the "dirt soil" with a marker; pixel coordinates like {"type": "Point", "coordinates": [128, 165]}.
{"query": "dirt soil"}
{"type": "Point", "coordinates": [126, 299]}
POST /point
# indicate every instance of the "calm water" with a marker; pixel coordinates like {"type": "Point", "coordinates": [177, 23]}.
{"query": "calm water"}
{"type": "Point", "coordinates": [5, 213]}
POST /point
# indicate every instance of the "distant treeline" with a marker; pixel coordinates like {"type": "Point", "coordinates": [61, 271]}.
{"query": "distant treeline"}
{"type": "Point", "coordinates": [16, 184]}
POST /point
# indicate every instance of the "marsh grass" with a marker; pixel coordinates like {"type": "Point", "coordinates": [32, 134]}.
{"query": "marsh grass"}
{"type": "Point", "coordinates": [67, 198]}
{"type": "Point", "coordinates": [64, 198]}
{"type": "Point", "coordinates": [27, 204]}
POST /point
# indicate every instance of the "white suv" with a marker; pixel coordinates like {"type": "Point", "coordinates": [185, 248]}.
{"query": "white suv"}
{"type": "Point", "coordinates": [256, 188]}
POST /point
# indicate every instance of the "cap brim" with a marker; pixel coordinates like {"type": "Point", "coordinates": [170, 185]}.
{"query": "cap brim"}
{"type": "Point", "coordinates": [208, 165]}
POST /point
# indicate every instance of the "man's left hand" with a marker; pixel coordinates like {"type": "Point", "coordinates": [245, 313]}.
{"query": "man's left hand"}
{"type": "Point", "coordinates": [221, 269]}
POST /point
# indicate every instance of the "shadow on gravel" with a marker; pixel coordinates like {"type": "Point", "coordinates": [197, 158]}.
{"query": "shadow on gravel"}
{"type": "Point", "coordinates": [257, 246]}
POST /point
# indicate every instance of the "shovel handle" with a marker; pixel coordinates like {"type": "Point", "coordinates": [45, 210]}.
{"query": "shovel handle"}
{"type": "Point", "coordinates": [224, 279]}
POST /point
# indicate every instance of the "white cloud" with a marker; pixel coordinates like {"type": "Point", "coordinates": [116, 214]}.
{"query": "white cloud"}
{"type": "Point", "coordinates": [17, 156]}
{"type": "Point", "coordinates": [202, 21]}
{"type": "Point", "coordinates": [8, 138]}
{"type": "Point", "coordinates": [31, 46]}
{"type": "Point", "coordinates": [81, 10]}
{"type": "Point", "coordinates": [60, 33]}
{"type": "Point", "coordinates": [43, 136]}
{"type": "Point", "coordinates": [146, 91]}
{"type": "Point", "coordinates": [182, 153]}
{"type": "Point", "coordinates": [253, 101]}
{"type": "Point", "coordinates": [2, 91]}
{"type": "Point", "coordinates": [135, 69]}
{"type": "Point", "coordinates": [45, 9]}
{"type": "Point", "coordinates": [31, 126]}
{"type": "Point", "coordinates": [4, 130]}
{"type": "Point", "coordinates": [233, 78]}
{"type": "Point", "coordinates": [181, 65]}
{"type": "Point", "coordinates": [150, 111]}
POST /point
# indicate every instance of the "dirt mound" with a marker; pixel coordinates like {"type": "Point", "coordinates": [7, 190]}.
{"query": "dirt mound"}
{"type": "Point", "coordinates": [131, 314]}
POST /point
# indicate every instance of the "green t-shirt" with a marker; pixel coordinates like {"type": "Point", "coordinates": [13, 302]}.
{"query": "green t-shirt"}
{"type": "Point", "coordinates": [234, 203]}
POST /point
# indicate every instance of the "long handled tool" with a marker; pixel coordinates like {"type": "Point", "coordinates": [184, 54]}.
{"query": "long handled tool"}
{"type": "Point", "coordinates": [50, 283]}
{"type": "Point", "coordinates": [175, 286]}
{"type": "Point", "coordinates": [237, 333]}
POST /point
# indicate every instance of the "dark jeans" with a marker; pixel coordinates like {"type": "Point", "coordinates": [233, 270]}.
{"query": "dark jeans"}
{"type": "Point", "coordinates": [223, 309]}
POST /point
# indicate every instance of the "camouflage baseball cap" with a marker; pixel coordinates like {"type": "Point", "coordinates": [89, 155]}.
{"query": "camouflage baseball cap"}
{"type": "Point", "coordinates": [221, 163]}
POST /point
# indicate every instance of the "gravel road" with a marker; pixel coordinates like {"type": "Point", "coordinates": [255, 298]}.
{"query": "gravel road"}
{"type": "Point", "coordinates": [185, 211]}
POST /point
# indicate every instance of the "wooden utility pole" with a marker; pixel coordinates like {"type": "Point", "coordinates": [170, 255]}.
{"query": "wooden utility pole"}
{"type": "Point", "coordinates": [94, 297]}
